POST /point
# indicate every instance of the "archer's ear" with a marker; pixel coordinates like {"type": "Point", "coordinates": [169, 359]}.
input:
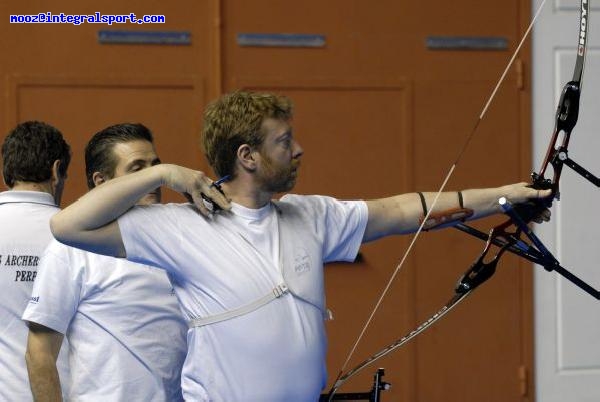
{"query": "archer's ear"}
{"type": "Point", "coordinates": [98, 178]}
{"type": "Point", "coordinates": [246, 157]}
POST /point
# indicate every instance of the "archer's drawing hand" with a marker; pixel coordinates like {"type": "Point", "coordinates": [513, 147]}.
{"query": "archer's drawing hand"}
{"type": "Point", "coordinates": [194, 184]}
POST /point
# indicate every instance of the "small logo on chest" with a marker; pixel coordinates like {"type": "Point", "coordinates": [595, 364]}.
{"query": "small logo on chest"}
{"type": "Point", "coordinates": [301, 262]}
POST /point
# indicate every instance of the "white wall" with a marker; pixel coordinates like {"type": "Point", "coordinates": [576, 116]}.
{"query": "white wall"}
{"type": "Point", "coordinates": [567, 327]}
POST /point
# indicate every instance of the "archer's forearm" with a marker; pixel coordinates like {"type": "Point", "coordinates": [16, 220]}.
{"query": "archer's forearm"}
{"type": "Point", "coordinates": [403, 214]}
{"type": "Point", "coordinates": [105, 203]}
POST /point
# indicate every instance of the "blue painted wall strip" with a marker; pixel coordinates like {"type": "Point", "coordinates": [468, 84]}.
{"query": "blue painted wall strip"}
{"type": "Point", "coordinates": [466, 43]}
{"type": "Point", "coordinates": [280, 40]}
{"type": "Point", "coordinates": [145, 37]}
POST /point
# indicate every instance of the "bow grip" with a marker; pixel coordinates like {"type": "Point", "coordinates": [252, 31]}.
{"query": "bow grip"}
{"type": "Point", "coordinates": [532, 208]}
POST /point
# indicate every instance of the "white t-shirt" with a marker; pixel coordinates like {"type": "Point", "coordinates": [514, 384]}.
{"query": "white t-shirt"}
{"type": "Point", "coordinates": [24, 234]}
{"type": "Point", "coordinates": [272, 354]}
{"type": "Point", "coordinates": [125, 330]}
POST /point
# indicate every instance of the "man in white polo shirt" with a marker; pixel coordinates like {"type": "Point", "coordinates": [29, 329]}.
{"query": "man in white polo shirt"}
{"type": "Point", "coordinates": [125, 331]}
{"type": "Point", "coordinates": [35, 158]}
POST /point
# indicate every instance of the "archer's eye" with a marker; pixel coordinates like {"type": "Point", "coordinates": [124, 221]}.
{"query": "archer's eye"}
{"type": "Point", "coordinates": [286, 142]}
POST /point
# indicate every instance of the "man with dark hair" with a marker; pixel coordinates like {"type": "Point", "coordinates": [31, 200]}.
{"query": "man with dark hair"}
{"type": "Point", "coordinates": [125, 331]}
{"type": "Point", "coordinates": [250, 279]}
{"type": "Point", "coordinates": [35, 158]}
{"type": "Point", "coordinates": [100, 158]}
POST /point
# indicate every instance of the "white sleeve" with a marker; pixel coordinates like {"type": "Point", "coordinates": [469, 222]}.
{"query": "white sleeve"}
{"type": "Point", "coordinates": [56, 289]}
{"type": "Point", "coordinates": [346, 222]}
{"type": "Point", "coordinates": [340, 224]}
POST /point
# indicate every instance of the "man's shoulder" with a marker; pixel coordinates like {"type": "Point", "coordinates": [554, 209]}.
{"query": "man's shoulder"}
{"type": "Point", "coordinates": [319, 207]}
{"type": "Point", "coordinates": [27, 197]}
{"type": "Point", "coordinates": [71, 262]}
{"type": "Point", "coordinates": [297, 202]}
{"type": "Point", "coordinates": [312, 201]}
{"type": "Point", "coordinates": [159, 209]}
{"type": "Point", "coordinates": [303, 199]}
{"type": "Point", "coordinates": [73, 256]}
{"type": "Point", "coordinates": [305, 207]}
{"type": "Point", "coordinates": [155, 216]}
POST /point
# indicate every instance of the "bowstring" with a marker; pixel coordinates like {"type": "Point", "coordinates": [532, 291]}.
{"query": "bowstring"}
{"type": "Point", "coordinates": [441, 189]}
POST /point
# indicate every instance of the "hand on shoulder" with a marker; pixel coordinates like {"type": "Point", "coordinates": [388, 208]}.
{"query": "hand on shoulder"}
{"type": "Point", "coordinates": [193, 184]}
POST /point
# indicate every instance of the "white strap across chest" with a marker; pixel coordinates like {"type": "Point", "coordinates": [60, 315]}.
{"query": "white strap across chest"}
{"type": "Point", "coordinates": [276, 293]}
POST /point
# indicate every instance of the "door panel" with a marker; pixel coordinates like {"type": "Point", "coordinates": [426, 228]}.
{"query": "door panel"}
{"type": "Point", "coordinates": [166, 106]}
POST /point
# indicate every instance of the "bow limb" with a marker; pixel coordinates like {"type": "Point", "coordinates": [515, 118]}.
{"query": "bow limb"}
{"type": "Point", "coordinates": [567, 111]}
{"type": "Point", "coordinates": [478, 273]}
{"type": "Point", "coordinates": [396, 344]}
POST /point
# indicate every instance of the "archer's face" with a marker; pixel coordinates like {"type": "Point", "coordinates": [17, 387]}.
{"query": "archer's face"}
{"type": "Point", "coordinates": [133, 156]}
{"type": "Point", "coordinates": [279, 156]}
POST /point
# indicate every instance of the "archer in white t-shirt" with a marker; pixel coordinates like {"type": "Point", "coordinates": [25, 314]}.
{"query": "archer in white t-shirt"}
{"type": "Point", "coordinates": [250, 279]}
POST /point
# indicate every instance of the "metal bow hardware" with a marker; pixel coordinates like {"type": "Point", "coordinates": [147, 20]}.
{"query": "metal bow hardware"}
{"type": "Point", "coordinates": [557, 156]}
{"type": "Point", "coordinates": [508, 235]}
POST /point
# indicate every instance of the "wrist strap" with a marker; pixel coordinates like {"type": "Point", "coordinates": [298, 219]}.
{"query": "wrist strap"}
{"type": "Point", "coordinates": [423, 203]}
{"type": "Point", "coordinates": [447, 217]}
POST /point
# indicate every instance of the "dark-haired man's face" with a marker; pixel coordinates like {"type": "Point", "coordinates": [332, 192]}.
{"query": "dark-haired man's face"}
{"type": "Point", "coordinates": [133, 156]}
